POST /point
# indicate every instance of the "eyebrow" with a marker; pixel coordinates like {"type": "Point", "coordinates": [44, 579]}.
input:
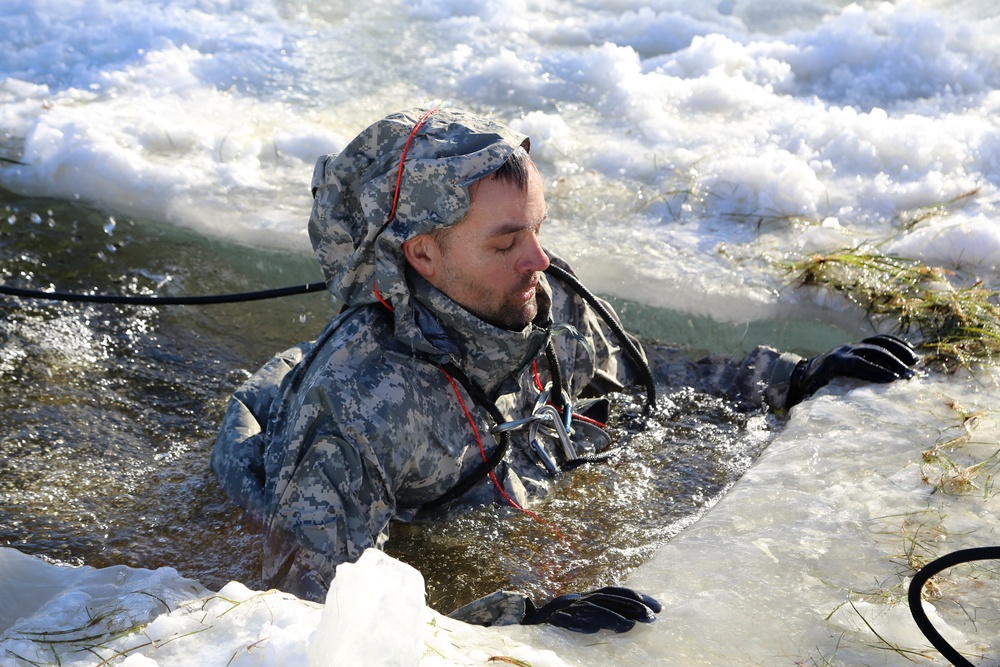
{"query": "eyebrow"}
{"type": "Point", "coordinates": [514, 227]}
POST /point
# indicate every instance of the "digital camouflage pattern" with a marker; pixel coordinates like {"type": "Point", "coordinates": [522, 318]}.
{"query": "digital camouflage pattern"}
{"type": "Point", "coordinates": [331, 440]}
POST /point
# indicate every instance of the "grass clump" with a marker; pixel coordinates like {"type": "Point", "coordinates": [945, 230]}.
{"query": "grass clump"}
{"type": "Point", "coordinates": [950, 465]}
{"type": "Point", "coordinates": [959, 325]}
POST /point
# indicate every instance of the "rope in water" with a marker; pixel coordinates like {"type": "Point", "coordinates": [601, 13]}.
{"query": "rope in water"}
{"type": "Point", "coordinates": [134, 300]}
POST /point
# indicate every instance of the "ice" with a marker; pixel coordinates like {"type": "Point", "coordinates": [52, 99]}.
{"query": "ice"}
{"type": "Point", "coordinates": [374, 615]}
{"type": "Point", "coordinates": [687, 148]}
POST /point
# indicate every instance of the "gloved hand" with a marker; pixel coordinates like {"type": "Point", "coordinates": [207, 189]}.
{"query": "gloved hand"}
{"type": "Point", "coordinates": [880, 358]}
{"type": "Point", "coordinates": [610, 608]}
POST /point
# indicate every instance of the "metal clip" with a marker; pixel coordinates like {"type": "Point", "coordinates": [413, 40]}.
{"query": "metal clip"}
{"type": "Point", "coordinates": [544, 457]}
{"type": "Point", "coordinates": [558, 427]}
{"type": "Point", "coordinates": [543, 399]}
{"type": "Point", "coordinates": [515, 424]}
{"type": "Point", "coordinates": [562, 435]}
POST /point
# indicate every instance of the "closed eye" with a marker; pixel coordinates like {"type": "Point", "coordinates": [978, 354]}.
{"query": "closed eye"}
{"type": "Point", "coordinates": [515, 231]}
{"type": "Point", "coordinates": [506, 249]}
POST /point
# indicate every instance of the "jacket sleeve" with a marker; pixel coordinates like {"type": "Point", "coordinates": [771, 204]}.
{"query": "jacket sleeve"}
{"type": "Point", "coordinates": [597, 363]}
{"type": "Point", "coordinates": [334, 505]}
{"type": "Point", "coordinates": [238, 456]}
{"type": "Point", "coordinates": [761, 378]}
{"type": "Point", "coordinates": [499, 608]}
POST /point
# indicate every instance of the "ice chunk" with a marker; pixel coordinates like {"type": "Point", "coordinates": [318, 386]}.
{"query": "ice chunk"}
{"type": "Point", "coordinates": [374, 615]}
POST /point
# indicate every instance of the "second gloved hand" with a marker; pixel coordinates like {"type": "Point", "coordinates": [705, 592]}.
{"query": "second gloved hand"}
{"type": "Point", "coordinates": [608, 608]}
{"type": "Point", "coordinates": [881, 358]}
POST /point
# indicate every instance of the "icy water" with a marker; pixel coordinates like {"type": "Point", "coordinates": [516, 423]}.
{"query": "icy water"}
{"type": "Point", "coordinates": [110, 412]}
{"type": "Point", "coordinates": [109, 417]}
{"type": "Point", "coordinates": [688, 150]}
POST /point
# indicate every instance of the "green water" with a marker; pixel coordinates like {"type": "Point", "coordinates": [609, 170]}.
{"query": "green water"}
{"type": "Point", "coordinates": [108, 413]}
{"type": "Point", "coordinates": [108, 416]}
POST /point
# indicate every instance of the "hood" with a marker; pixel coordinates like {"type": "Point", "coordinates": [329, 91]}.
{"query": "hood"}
{"type": "Point", "coordinates": [405, 175]}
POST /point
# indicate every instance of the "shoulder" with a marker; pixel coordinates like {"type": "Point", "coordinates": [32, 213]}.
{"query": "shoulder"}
{"type": "Point", "coordinates": [364, 368]}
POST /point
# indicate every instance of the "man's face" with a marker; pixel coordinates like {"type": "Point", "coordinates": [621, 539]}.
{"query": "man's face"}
{"type": "Point", "coordinates": [490, 261]}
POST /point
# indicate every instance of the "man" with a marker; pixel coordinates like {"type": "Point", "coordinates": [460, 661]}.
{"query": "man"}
{"type": "Point", "coordinates": [427, 390]}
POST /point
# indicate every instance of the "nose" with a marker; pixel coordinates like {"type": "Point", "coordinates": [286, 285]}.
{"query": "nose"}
{"type": "Point", "coordinates": [534, 258]}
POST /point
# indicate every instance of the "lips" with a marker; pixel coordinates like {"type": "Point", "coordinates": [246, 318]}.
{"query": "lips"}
{"type": "Point", "coordinates": [527, 292]}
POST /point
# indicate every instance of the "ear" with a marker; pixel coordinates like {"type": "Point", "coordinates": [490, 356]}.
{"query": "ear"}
{"type": "Point", "coordinates": [422, 253]}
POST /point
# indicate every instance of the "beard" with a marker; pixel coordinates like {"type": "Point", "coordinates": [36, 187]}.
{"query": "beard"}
{"type": "Point", "coordinates": [514, 315]}
{"type": "Point", "coordinates": [506, 310]}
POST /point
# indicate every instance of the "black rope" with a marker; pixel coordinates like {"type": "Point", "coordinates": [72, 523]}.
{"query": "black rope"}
{"type": "Point", "coordinates": [917, 607]}
{"type": "Point", "coordinates": [132, 300]}
{"type": "Point", "coordinates": [555, 370]}
{"type": "Point", "coordinates": [623, 339]}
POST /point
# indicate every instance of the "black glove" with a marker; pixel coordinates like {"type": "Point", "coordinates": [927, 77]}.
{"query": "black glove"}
{"type": "Point", "coordinates": [608, 608]}
{"type": "Point", "coordinates": [877, 359]}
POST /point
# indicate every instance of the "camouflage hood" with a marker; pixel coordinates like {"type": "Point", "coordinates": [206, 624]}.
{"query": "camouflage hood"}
{"type": "Point", "coordinates": [405, 175]}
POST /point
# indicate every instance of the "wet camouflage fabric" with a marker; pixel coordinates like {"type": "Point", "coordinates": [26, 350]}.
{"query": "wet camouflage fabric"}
{"type": "Point", "coordinates": [333, 439]}
{"type": "Point", "coordinates": [761, 378]}
{"type": "Point", "coordinates": [499, 608]}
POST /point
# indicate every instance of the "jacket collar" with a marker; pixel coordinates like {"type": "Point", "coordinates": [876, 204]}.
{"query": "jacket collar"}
{"type": "Point", "coordinates": [487, 354]}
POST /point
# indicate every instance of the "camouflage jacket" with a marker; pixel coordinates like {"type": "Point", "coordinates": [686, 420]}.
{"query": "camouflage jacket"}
{"type": "Point", "coordinates": [332, 440]}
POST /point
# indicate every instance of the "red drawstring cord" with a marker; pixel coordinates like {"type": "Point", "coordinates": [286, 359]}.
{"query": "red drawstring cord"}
{"type": "Point", "coordinates": [482, 451]}
{"type": "Point", "coordinates": [399, 181]}
{"type": "Point", "coordinates": [538, 378]}
{"type": "Point", "coordinates": [381, 300]}
{"type": "Point", "coordinates": [402, 159]}
{"type": "Point", "coordinates": [576, 415]}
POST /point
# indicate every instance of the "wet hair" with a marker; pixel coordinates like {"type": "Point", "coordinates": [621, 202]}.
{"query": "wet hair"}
{"type": "Point", "coordinates": [515, 169]}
